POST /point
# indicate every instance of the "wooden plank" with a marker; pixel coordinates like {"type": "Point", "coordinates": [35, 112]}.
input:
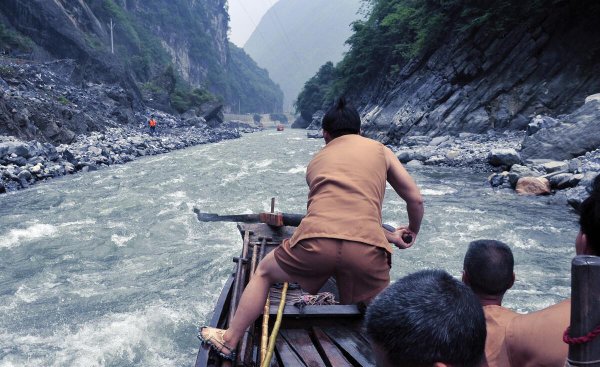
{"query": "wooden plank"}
{"type": "Point", "coordinates": [286, 354]}
{"type": "Point", "coordinates": [317, 311]}
{"type": "Point", "coordinates": [334, 356]}
{"type": "Point", "coordinates": [300, 341]}
{"type": "Point", "coordinates": [350, 342]}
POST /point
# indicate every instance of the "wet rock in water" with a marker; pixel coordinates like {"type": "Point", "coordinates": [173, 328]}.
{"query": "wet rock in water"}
{"type": "Point", "coordinates": [501, 179]}
{"type": "Point", "coordinates": [414, 163]}
{"type": "Point", "coordinates": [561, 181]}
{"type": "Point", "coordinates": [2, 188]}
{"type": "Point", "coordinates": [533, 186]}
{"type": "Point", "coordinates": [503, 157]}
{"type": "Point", "coordinates": [576, 196]}
{"type": "Point", "coordinates": [405, 156]}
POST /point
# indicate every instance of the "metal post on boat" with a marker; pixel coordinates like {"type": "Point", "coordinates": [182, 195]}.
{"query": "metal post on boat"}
{"type": "Point", "coordinates": [583, 335]}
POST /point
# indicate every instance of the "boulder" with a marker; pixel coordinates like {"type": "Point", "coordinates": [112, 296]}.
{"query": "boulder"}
{"type": "Point", "coordinates": [593, 97]}
{"type": "Point", "coordinates": [503, 157]}
{"type": "Point", "coordinates": [416, 140]}
{"type": "Point", "coordinates": [562, 181]}
{"type": "Point", "coordinates": [19, 149]}
{"type": "Point", "coordinates": [540, 122]}
{"type": "Point", "coordinates": [405, 156]}
{"type": "Point", "coordinates": [579, 133]}
{"type": "Point", "coordinates": [300, 123]}
{"type": "Point", "coordinates": [555, 166]}
{"type": "Point", "coordinates": [533, 186]}
{"type": "Point", "coordinates": [438, 140]}
{"type": "Point", "coordinates": [499, 179]}
{"type": "Point", "coordinates": [317, 118]}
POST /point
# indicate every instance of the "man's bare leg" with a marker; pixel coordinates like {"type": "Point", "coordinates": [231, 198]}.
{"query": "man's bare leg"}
{"type": "Point", "coordinates": [254, 297]}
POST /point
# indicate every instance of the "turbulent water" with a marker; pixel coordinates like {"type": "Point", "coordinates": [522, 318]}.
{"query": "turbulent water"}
{"type": "Point", "coordinates": [111, 268]}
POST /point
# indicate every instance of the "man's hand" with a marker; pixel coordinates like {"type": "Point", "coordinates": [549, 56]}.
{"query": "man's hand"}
{"type": "Point", "coordinates": [402, 237]}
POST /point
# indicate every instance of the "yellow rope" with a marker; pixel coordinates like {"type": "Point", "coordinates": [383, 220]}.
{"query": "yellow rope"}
{"type": "Point", "coordinates": [265, 329]}
{"type": "Point", "coordinates": [267, 361]}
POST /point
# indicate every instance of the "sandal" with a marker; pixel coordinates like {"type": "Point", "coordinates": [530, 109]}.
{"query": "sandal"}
{"type": "Point", "coordinates": [214, 338]}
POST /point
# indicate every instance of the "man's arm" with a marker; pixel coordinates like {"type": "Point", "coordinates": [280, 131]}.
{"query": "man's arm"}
{"type": "Point", "coordinates": [407, 189]}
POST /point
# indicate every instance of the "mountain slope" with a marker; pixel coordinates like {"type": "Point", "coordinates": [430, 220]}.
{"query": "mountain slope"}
{"type": "Point", "coordinates": [295, 37]}
{"type": "Point", "coordinates": [187, 40]}
{"type": "Point", "coordinates": [429, 68]}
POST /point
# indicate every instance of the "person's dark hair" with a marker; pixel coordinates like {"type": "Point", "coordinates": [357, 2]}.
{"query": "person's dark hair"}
{"type": "Point", "coordinates": [489, 266]}
{"type": "Point", "coordinates": [589, 217]}
{"type": "Point", "coordinates": [428, 317]}
{"type": "Point", "coordinates": [341, 119]}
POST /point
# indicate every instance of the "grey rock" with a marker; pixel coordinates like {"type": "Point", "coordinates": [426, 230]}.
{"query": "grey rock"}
{"type": "Point", "coordinates": [541, 122]}
{"type": "Point", "coordinates": [405, 156]}
{"type": "Point", "coordinates": [555, 166]}
{"type": "Point", "coordinates": [414, 163]}
{"type": "Point", "coordinates": [579, 134]}
{"type": "Point", "coordinates": [562, 181]}
{"type": "Point", "coordinates": [503, 157]}
{"type": "Point", "coordinates": [438, 140]}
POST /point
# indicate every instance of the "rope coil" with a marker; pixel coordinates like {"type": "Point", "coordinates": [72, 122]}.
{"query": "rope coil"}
{"type": "Point", "coordinates": [580, 339]}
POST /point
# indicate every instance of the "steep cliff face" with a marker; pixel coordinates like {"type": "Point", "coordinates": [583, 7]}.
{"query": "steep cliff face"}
{"type": "Point", "coordinates": [66, 29]}
{"type": "Point", "coordinates": [166, 54]}
{"type": "Point", "coordinates": [477, 82]}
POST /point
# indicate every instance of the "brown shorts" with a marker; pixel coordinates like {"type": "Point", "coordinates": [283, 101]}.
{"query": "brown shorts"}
{"type": "Point", "coordinates": [361, 270]}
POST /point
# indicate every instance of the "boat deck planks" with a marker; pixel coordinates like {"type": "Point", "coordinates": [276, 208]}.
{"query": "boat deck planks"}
{"type": "Point", "coordinates": [301, 342]}
{"type": "Point", "coordinates": [351, 342]}
{"type": "Point", "coordinates": [326, 335]}
{"type": "Point", "coordinates": [333, 354]}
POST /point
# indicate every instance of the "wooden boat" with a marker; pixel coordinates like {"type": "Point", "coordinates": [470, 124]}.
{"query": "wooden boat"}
{"type": "Point", "coordinates": [314, 335]}
{"type": "Point", "coordinates": [280, 127]}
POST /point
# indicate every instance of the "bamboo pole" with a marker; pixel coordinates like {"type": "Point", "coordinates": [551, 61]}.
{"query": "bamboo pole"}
{"type": "Point", "coordinates": [265, 329]}
{"type": "Point", "coordinates": [267, 361]}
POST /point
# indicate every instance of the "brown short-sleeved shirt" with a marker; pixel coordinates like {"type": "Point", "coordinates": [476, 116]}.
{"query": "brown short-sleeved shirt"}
{"type": "Point", "coordinates": [497, 319]}
{"type": "Point", "coordinates": [535, 339]}
{"type": "Point", "coordinates": [346, 181]}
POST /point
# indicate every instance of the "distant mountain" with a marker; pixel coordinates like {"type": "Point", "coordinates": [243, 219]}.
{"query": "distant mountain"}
{"type": "Point", "coordinates": [295, 37]}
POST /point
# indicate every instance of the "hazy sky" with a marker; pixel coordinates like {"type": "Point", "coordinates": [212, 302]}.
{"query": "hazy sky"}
{"type": "Point", "coordinates": [244, 17]}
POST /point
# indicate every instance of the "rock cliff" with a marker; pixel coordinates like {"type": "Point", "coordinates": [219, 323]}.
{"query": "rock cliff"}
{"type": "Point", "coordinates": [476, 82]}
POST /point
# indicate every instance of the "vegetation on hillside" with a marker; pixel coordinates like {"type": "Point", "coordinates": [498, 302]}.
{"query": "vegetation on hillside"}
{"type": "Point", "coordinates": [250, 86]}
{"type": "Point", "coordinates": [397, 31]}
{"type": "Point", "coordinates": [13, 41]}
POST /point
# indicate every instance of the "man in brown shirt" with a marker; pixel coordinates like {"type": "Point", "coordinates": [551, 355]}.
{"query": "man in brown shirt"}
{"type": "Point", "coordinates": [488, 270]}
{"type": "Point", "coordinates": [341, 234]}
{"type": "Point", "coordinates": [535, 339]}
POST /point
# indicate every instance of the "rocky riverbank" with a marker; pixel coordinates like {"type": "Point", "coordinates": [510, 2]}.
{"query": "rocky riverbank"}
{"type": "Point", "coordinates": [24, 163]}
{"type": "Point", "coordinates": [553, 155]}
{"type": "Point", "coordinates": [50, 126]}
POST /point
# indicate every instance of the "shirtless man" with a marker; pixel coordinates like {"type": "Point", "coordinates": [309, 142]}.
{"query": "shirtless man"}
{"type": "Point", "coordinates": [426, 319]}
{"type": "Point", "coordinates": [341, 234]}
{"type": "Point", "coordinates": [488, 270]}
{"type": "Point", "coordinates": [535, 339]}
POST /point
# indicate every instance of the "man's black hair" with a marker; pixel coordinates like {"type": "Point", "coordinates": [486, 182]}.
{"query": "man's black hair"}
{"type": "Point", "coordinates": [341, 119]}
{"type": "Point", "coordinates": [589, 217]}
{"type": "Point", "coordinates": [489, 265]}
{"type": "Point", "coordinates": [428, 317]}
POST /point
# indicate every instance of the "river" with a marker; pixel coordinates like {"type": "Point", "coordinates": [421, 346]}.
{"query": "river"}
{"type": "Point", "coordinates": [111, 268]}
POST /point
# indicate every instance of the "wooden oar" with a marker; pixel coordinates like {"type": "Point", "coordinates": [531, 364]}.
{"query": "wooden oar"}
{"type": "Point", "coordinates": [276, 219]}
